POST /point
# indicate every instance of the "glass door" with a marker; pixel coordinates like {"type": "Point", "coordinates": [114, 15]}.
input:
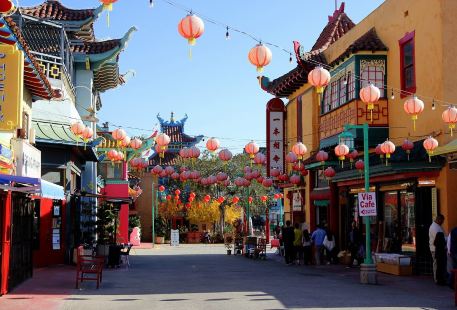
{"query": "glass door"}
{"type": "Point", "coordinates": [408, 221]}
{"type": "Point", "coordinates": [391, 225]}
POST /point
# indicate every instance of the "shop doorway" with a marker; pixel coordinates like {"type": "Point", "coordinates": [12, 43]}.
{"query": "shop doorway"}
{"type": "Point", "coordinates": [22, 240]}
{"type": "Point", "coordinates": [426, 200]}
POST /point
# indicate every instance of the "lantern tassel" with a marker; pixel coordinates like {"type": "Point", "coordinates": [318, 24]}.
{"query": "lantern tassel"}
{"type": "Point", "coordinates": [190, 52]}
{"type": "Point", "coordinates": [452, 131]}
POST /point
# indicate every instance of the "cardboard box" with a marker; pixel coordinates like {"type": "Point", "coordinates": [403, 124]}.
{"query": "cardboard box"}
{"type": "Point", "coordinates": [394, 269]}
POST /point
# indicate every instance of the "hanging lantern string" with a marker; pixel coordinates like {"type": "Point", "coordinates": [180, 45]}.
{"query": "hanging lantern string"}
{"type": "Point", "coordinates": [225, 26]}
{"type": "Point", "coordinates": [307, 55]}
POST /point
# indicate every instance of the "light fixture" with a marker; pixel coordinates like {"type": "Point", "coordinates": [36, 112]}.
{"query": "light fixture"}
{"type": "Point", "coordinates": [433, 105]}
{"type": "Point", "coordinates": [290, 57]}
{"type": "Point", "coordinates": [151, 3]}
{"type": "Point", "coordinates": [392, 96]}
{"type": "Point", "coordinates": [227, 34]}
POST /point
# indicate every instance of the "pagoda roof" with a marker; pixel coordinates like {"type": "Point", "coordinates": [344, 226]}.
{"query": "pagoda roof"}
{"type": "Point", "coordinates": [78, 21]}
{"type": "Point", "coordinates": [34, 78]}
{"type": "Point", "coordinates": [95, 47]}
{"type": "Point", "coordinates": [338, 25]}
{"type": "Point", "coordinates": [170, 159]}
{"type": "Point", "coordinates": [55, 10]}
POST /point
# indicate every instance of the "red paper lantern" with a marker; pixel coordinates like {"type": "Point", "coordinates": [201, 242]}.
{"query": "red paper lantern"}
{"type": "Point", "coordinates": [267, 182]}
{"type": "Point", "coordinates": [161, 188]}
{"type": "Point", "coordinates": [177, 192]}
{"type": "Point", "coordinates": [194, 152]}
{"type": "Point", "coordinates": [6, 7]}
{"type": "Point", "coordinates": [163, 139]}
{"type": "Point", "coordinates": [407, 146]}
{"type": "Point", "coordinates": [125, 142]}
{"type": "Point", "coordinates": [168, 197]}
{"type": "Point", "coordinates": [264, 198]}
{"type": "Point", "coordinates": [329, 173]}
{"type": "Point", "coordinates": [430, 144]}
{"type": "Point", "coordinates": [119, 134]}
{"type": "Point", "coordinates": [370, 95]}
{"type": "Point", "coordinates": [388, 148]}
{"type": "Point", "coordinates": [304, 172]}
{"type": "Point", "coordinates": [157, 170]}
{"type": "Point", "coordinates": [239, 182]}
{"type": "Point", "coordinates": [225, 155]}
{"type": "Point", "coordinates": [260, 179]}
{"type": "Point", "coordinates": [299, 149]}
{"type": "Point", "coordinates": [250, 199]}
{"type": "Point", "coordinates": [359, 165]}
{"type": "Point", "coordinates": [276, 196]}
{"type": "Point", "coordinates": [260, 56]}
{"type": "Point", "coordinates": [260, 159]}
{"type": "Point", "coordinates": [221, 199]}
{"type": "Point", "coordinates": [136, 143]}
{"type": "Point", "coordinates": [295, 179]}
{"type": "Point", "coordinates": [255, 174]}
{"type": "Point", "coordinates": [112, 155]}
{"type": "Point", "coordinates": [194, 175]}
{"type": "Point", "coordinates": [191, 28]}
{"type": "Point", "coordinates": [221, 176]}
{"type": "Point", "coordinates": [175, 175]}
{"type": "Point", "coordinates": [169, 170]}
{"type": "Point", "coordinates": [212, 144]}
{"type": "Point", "coordinates": [341, 150]}
{"type": "Point", "coordinates": [275, 172]}
{"type": "Point", "coordinates": [322, 156]}
{"type": "Point", "coordinates": [235, 199]}
{"type": "Point", "coordinates": [184, 152]}
{"type": "Point", "coordinates": [77, 129]}
{"type": "Point", "coordinates": [449, 116]}
{"type": "Point", "coordinates": [252, 149]}
{"type": "Point", "coordinates": [353, 155]}
{"type": "Point", "coordinates": [291, 158]}
{"type": "Point", "coordinates": [319, 78]}
{"type": "Point", "coordinates": [207, 198]}
{"type": "Point", "coordinates": [87, 134]}
{"type": "Point", "coordinates": [246, 183]}
{"type": "Point", "coordinates": [414, 106]}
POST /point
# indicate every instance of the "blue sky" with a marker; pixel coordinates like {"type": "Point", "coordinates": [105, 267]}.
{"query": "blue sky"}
{"type": "Point", "coordinates": [217, 88]}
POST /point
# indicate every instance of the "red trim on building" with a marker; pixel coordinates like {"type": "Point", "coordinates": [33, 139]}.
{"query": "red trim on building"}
{"type": "Point", "coordinates": [391, 178]}
{"type": "Point", "coordinates": [409, 37]}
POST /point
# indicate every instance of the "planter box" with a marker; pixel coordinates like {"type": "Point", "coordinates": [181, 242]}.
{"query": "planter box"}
{"type": "Point", "coordinates": [160, 240]}
{"type": "Point", "coordinates": [394, 269]}
{"type": "Point", "coordinates": [193, 237]}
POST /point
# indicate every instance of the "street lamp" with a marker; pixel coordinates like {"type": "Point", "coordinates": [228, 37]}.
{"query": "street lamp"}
{"type": "Point", "coordinates": [367, 269]}
{"type": "Point", "coordinates": [347, 138]}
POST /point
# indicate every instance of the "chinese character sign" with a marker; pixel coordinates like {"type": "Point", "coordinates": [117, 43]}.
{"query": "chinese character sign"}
{"type": "Point", "coordinates": [276, 141]}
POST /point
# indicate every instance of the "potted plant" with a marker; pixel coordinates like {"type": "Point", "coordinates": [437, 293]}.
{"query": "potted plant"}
{"type": "Point", "coordinates": [160, 229]}
{"type": "Point", "coordinates": [106, 228]}
{"type": "Point", "coordinates": [228, 241]}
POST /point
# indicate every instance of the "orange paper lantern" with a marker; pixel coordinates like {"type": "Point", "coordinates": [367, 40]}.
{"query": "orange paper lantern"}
{"type": "Point", "coordinates": [449, 116]}
{"type": "Point", "coordinates": [319, 78]}
{"type": "Point", "coordinates": [414, 106]}
{"type": "Point", "coordinates": [260, 56]}
{"type": "Point", "coordinates": [191, 28]}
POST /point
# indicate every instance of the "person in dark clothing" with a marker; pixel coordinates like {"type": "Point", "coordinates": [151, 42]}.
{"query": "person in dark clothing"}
{"type": "Point", "coordinates": [441, 258]}
{"type": "Point", "coordinates": [288, 237]}
{"type": "Point", "coordinates": [306, 247]}
{"type": "Point", "coordinates": [452, 255]}
{"type": "Point", "coordinates": [354, 244]}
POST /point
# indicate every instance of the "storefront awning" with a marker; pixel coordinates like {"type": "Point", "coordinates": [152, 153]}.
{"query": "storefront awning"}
{"type": "Point", "coordinates": [51, 190]}
{"type": "Point", "coordinates": [19, 184]}
{"type": "Point", "coordinates": [451, 147]}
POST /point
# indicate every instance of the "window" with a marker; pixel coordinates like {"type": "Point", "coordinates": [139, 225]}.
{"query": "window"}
{"type": "Point", "coordinates": [407, 64]}
{"type": "Point", "coordinates": [343, 90]}
{"type": "Point", "coordinates": [334, 95]}
{"type": "Point", "coordinates": [326, 101]}
{"type": "Point", "coordinates": [351, 86]}
{"type": "Point", "coordinates": [374, 75]}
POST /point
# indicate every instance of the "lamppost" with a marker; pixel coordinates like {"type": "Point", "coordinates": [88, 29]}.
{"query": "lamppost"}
{"type": "Point", "coordinates": [367, 269]}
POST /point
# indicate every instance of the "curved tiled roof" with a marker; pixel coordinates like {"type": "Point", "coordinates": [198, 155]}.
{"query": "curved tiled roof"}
{"type": "Point", "coordinates": [95, 47]}
{"type": "Point", "coordinates": [54, 10]}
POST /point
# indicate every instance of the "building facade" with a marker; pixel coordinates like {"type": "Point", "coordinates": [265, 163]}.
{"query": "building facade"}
{"type": "Point", "coordinates": [404, 49]}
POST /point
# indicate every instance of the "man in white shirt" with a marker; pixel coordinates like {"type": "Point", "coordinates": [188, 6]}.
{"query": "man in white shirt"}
{"type": "Point", "coordinates": [433, 230]}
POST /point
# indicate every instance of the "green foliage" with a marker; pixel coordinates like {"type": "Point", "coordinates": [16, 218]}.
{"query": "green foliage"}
{"type": "Point", "coordinates": [160, 227]}
{"type": "Point", "coordinates": [134, 221]}
{"type": "Point", "coordinates": [106, 221]}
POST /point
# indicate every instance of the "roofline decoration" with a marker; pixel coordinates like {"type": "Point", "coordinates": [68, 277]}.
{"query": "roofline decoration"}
{"type": "Point", "coordinates": [34, 78]}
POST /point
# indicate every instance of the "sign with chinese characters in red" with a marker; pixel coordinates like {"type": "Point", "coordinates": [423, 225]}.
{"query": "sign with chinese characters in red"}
{"type": "Point", "coordinates": [275, 135]}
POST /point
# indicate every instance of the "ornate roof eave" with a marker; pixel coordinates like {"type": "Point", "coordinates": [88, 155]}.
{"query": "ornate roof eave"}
{"type": "Point", "coordinates": [35, 80]}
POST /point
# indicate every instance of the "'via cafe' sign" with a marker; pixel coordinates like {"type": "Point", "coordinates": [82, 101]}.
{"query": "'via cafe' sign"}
{"type": "Point", "coordinates": [367, 204]}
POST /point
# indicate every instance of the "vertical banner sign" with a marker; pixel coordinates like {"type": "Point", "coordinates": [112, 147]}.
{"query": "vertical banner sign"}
{"type": "Point", "coordinates": [367, 204]}
{"type": "Point", "coordinates": [275, 135]}
{"type": "Point", "coordinates": [296, 202]}
{"type": "Point", "coordinates": [11, 87]}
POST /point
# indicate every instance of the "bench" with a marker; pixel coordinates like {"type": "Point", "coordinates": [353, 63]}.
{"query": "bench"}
{"type": "Point", "coordinates": [88, 267]}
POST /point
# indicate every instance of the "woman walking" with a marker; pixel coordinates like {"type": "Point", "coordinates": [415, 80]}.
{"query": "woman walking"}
{"type": "Point", "coordinates": [306, 247]}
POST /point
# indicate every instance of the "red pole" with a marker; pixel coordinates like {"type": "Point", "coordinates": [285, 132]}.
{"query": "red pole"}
{"type": "Point", "coordinates": [267, 225]}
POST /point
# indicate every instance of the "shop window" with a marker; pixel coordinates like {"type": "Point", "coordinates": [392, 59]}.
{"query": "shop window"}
{"type": "Point", "coordinates": [321, 215]}
{"type": "Point", "coordinates": [374, 75]}
{"type": "Point", "coordinates": [320, 181]}
{"type": "Point", "coordinates": [110, 171]}
{"type": "Point", "coordinates": [408, 222]}
{"type": "Point", "coordinates": [391, 224]}
{"type": "Point", "coordinates": [407, 64]}
{"type": "Point", "coordinates": [326, 101]}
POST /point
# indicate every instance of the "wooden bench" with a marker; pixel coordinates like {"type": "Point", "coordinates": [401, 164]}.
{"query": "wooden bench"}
{"type": "Point", "coordinates": [261, 249]}
{"type": "Point", "coordinates": [88, 267]}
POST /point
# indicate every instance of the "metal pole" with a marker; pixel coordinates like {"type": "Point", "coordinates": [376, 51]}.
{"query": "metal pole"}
{"type": "Point", "coordinates": [248, 212]}
{"type": "Point", "coordinates": [281, 215]}
{"type": "Point", "coordinates": [153, 212]}
{"type": "Point", "coordinates": [366, 159]}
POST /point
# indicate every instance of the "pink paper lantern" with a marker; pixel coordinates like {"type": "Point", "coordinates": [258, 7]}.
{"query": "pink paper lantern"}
{"type": "Point", "coordinates": [119, 134]}
{"type": "Point", "coordinates": [299, 149]}
{"type": "Point", "coordinates": [275, 172]}
{"type": "Point", "coordinates": [291, 158]}
{"type": "Point", "coordinates": [319, 78]}
{"type": "Point", "coordinates": [260, 56]}
{"type": "Point", "coordinates": [191, 28]}
{"type": "Point", "coordinates": [225, 155]}
{"type": "Point", "coordinates": [251, 148]}
{"type": "Point", "coordinates": [414, 106]}
{"type": "Point", "coordinates": [212, 144]}
{"type": "Point", "coordinates": [295, 179]}
{"type": "Point", "coordinates": [136, 143]}
{"type": "Point", "coordinates": [449, 116]}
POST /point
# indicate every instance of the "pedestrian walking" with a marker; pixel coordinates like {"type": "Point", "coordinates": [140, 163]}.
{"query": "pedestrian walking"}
{"type": "Point", "coordinates": [288, 237]}
{"type": "Point", "coordinates": [318, 240]}
{"type": "Point", "coordinates": [433, 230]}
{"type": "Point", "coordinates": [330, 248]}
{"type": "Point", "coordinates": [441, 258]}
{"type": "Point", "coordinates": [298, 246]}
{"type": "Point", "coordinates": [354, 244]}
{"type": "Point", "coordinates": [306, 241]}
{"type": "Point", "coordinates": [452, 255]}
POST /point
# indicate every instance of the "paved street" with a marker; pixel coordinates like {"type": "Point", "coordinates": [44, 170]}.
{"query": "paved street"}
{"type": "Point", "coordinates": [202, 277]}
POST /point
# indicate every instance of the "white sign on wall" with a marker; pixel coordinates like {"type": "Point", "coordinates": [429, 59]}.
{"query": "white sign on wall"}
{"type": "Point", "coordinates": [296, 202]}
{"type": "Point", "coordinates": [174, 237]}
{"type": "Point", "coordinates": [276, 143]}
{"type": "Point", "coordinates": [367, 204]}
{"type": "Point", "coordinates": [28, 159]}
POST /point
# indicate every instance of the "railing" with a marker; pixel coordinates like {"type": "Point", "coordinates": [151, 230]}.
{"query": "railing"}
{"type": "Point", "coordinates": [53, 67]}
